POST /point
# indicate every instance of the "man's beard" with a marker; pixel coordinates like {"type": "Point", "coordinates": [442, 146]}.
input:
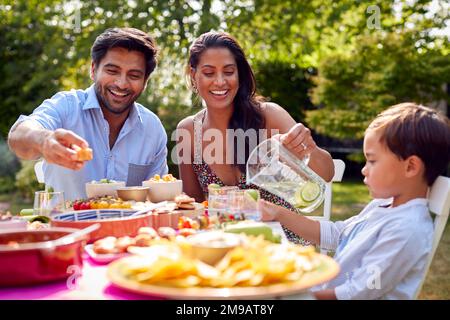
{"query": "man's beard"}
{"type": "Point", "coordinates": [104, 103]}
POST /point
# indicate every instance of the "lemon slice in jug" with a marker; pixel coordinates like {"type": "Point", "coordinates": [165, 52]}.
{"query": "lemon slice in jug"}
{"type": "Point", "coordinates": [306, 194]}
{"type": "Point", "coordinates": [252, 194]}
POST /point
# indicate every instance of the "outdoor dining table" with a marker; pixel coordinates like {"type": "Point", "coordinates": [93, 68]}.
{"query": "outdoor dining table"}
{"type": "Point", "coordinates": [91, 283]}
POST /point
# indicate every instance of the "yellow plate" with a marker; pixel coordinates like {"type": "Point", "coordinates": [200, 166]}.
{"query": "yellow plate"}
{"type": "Point", "coordinates": [327, 270]}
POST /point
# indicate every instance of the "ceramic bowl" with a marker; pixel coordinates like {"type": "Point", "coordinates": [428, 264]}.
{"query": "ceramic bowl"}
{"type": "Point", "coordinates": [32, 257]}
{"type": "Point", "coordinates": [163, 190]}
{"type": "Point", "coordinates": [210, 247]}
{"type": "Point", "coordinates": [100, 189]}
{"type": "Point", "coordinates": [139, 194]}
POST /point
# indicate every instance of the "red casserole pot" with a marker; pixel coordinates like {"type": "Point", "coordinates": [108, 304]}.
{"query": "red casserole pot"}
{"type": "Point", "coordinates": [32, 257]}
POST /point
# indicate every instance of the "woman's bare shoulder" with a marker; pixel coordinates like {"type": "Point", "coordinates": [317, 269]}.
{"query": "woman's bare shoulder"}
{"type": "Point", "coordinates": [276, 117]}
{"type": "Point", "coordinates": [186, 123]}
{"type": "Point", "coordinates": [268, 107]}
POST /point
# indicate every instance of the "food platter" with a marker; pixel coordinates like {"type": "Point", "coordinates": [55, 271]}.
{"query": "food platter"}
{"type": "Point", "coordinates": [103, 258]}
{"type": "Point", "coordinates": [199, 209]}
{"type": "Point", "coordinates": [328, 270]}
{"type": "Point", "coordinates": [113, 222]}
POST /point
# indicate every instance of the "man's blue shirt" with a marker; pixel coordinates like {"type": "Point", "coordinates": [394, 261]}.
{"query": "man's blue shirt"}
{"type": "Point", "coordinates": [139, 152]}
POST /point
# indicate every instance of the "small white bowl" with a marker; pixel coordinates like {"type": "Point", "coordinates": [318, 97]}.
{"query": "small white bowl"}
{"type": "Point", "coordinates": [163, 190]}
{"type": "Point", "coordinates": [98, 189]}
{"type": "Point", "coordinates": [211, 246]}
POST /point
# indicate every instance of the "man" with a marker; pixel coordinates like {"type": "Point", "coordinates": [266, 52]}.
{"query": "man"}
{"type": "Point", "coordinates": [128, 140]}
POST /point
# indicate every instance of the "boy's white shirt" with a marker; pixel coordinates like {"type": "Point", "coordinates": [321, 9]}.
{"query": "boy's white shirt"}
{"type": "Point", "coordinates": [386, 257]}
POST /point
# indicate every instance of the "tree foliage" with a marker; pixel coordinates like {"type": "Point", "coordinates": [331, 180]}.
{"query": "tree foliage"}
{"type": "Point", "coordinates": [367, 56]}
{"type": "Point", "coordinates": [379, 72]}
{"type": "Point", "coordinates": [331, 64]}
{"type": "Point", "coordinates": [30, 67]}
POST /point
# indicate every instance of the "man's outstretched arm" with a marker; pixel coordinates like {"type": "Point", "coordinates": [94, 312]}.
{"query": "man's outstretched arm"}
{"type": "Point", "coordinates": [28, 140]}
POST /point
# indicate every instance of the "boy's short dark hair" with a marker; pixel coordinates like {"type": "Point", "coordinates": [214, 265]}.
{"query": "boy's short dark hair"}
{"type": "Point", "coordinates": [128, 38]}
{"type": "Point", "coordinates": [409, 129]}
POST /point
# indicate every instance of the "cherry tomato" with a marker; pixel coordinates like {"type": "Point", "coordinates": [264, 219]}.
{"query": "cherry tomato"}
{"type": "Point", "coordinates": [85, 206]}
{"type": "Point", "coordinates": [187, 224]}
{"type": "Point", "coordinates": [76, 205]}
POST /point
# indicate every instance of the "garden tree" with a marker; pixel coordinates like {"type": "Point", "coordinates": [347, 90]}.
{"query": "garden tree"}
{"type": "Point", "coordinates": [47, 49]}
{"type": "Point", "coordinates": [26, 182]}
{"type": "Point", "coordinates": [9, 164]}
{"type": "Point", "coordinates": [286, 41]}
{"type": "Point", "coordinates": [289, 87]}
{"type": "Point", "coordinates": [30, 67]}
{"type": "Point", "coordinates": [382, 70]}
{"type": "Point", "coordinates": [366, 58]}
{"type": "Point", "coordinates": [174, 24]}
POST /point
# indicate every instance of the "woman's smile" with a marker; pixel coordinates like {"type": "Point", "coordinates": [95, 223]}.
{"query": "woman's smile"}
{"type": "Point", "coordinates": [219, 94]}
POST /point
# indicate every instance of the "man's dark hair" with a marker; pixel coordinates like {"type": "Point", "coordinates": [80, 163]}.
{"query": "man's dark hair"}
{"type": "Point", "coordinates": [128, 38]}
{"type": "Point", "coordinates": [409, 129]}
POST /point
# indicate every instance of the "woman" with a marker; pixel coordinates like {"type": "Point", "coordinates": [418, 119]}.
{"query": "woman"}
{"type": "Point", "coordinates": [221, 75]}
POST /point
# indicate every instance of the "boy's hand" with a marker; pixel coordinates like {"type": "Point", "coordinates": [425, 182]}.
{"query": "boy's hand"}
{"type": "Point", "coordinates": [56, 148]}
{"type": "Point", "coordinates": [268, 210]}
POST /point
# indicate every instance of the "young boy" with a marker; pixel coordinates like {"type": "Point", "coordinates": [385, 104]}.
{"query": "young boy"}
{"type": "Point", "coordinates": [382, 251]}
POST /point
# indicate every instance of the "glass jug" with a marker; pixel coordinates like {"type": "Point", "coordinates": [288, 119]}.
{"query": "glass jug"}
{"type": "Point", "coordinates": [272, 167]}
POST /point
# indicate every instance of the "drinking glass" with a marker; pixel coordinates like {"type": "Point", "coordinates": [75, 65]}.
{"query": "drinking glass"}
{"type": "Point", "coordinates": [48, 203]}
{"type": "Point", "coordinates": [218, 201]}
{"type": "Point", "coordinates": [244, 204]}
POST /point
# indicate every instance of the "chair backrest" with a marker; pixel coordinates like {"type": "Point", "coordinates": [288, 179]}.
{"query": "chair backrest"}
{"type": "Point", "coordinates": [39, 171]}
{"type": "Point", "coordinates": [439, 204]}
{"type": "Point", "coordinates": [339, 168]}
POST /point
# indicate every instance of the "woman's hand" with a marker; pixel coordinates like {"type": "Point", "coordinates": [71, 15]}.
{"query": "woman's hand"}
{"type": "Point", "coordinates": [298, 140]}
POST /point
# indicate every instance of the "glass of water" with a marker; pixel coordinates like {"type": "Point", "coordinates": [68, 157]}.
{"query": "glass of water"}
{"type": "Point", "coordinates": [49, 203]}
{"type": "Point", "coordinates": [218, 201]}
{"type": "Point", "coordinates": [243, 204]}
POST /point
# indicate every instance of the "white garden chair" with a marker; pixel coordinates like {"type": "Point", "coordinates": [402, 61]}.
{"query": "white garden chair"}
{"type": "Point", "coordinates": [39, 171]}
{"type": "Point", "coordinates": [339, 168]}
{"type": "Point", "coordinates": [439, 204]}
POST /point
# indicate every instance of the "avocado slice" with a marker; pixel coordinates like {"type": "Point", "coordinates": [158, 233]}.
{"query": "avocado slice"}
{"type": "Point", "coordinates": [43, 219]}
{"type": "Point", "coordinates": [254, 229]}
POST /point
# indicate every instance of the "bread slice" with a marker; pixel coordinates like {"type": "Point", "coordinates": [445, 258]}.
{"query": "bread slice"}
{"type": "Point", "coordinates": [83, 154]}
{"type": "Point", "coordinates": [186, 206]}
{"type": "Point", "coordinates": [183, 198]}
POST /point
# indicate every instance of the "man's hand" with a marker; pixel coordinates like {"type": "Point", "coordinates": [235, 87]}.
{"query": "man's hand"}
{"type": "Point", "coordinates": [56, 147]}
{"type": "Point", "coordinates": [298, 140]}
